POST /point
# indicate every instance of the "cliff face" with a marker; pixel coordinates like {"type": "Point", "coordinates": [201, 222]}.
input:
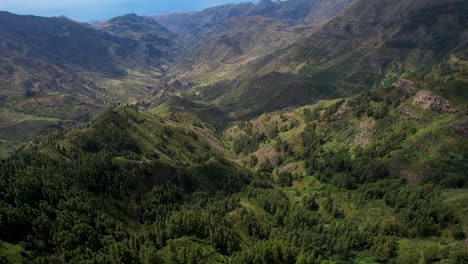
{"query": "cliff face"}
{"type": "Point", "coordinates": [429, 101]}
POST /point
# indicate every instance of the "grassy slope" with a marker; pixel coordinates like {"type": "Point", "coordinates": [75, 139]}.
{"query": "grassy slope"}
{"type": "Point", "coordinates": [176, 135]}
{"type": "Point", "coordinates": [431, 139]}
{"type": "Point", "coordinates": [430, 148]}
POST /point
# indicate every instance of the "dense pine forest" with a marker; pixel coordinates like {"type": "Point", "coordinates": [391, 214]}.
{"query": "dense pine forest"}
{"type": "Point", "coordinates": [299, 131]}
{"type": "Point", "coordinates": [135, 187]}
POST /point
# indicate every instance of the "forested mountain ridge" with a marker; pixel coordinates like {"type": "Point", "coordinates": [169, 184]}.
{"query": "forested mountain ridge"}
{"type": "Point", "coordinates": [368, 178]}
{"type": "Point", "coordinates": [281, 136]}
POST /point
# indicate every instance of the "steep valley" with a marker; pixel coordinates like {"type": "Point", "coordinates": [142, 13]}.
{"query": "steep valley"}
{"type": "Point", "coordinates": [57, 72]}
{"type": "Point", "coordinates": [299, 131]}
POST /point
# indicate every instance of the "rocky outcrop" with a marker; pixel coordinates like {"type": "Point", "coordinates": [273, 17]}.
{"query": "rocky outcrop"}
{"type": "Point", "coordinates": [404, 86]}
{"type": "Point", "coordinates": [461, 129]}
{"type": "Point", "coordinates": [343, 111]}
{"type": "Point", "coordinates": [367, 130]}
{"type": "Point", "coordinates": [409, 113]}
{"type": "Point", "coordinates": [432, 102]}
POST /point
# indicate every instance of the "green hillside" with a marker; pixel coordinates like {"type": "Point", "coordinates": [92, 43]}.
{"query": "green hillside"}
{"type": "Point", "coordinates": [346, 55]}
{"type": "Point", "coordinates": [378, 177]}
{"type": "Point", "coordinates": [292, 131]}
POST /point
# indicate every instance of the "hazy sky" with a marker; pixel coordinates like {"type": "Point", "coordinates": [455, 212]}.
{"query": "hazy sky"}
{"type": "Point", "coordinates": [88, 10]}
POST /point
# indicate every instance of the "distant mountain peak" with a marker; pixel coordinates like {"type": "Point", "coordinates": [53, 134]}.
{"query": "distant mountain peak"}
{"type": "Point", "coordinates": [130, 15]}
{"type": "Point", "coordinates": [131, 18]}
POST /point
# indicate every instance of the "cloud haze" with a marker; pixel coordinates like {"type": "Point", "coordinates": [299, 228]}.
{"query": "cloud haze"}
{"type": "Point", "coordinates": [87, 10]}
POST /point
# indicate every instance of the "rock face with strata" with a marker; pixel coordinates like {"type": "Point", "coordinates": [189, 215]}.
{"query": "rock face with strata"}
{"type": "Point", "coordinates": [432, 102]}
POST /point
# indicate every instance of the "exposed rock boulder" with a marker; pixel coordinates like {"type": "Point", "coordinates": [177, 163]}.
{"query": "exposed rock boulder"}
{"type": "Point", "coordinates": [429, 101]}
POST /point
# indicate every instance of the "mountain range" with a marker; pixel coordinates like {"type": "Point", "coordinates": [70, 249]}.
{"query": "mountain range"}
{"type": "Point", "coordinates": [299, 131]}
{"type": "Point", "coordinates": [244, 59]}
